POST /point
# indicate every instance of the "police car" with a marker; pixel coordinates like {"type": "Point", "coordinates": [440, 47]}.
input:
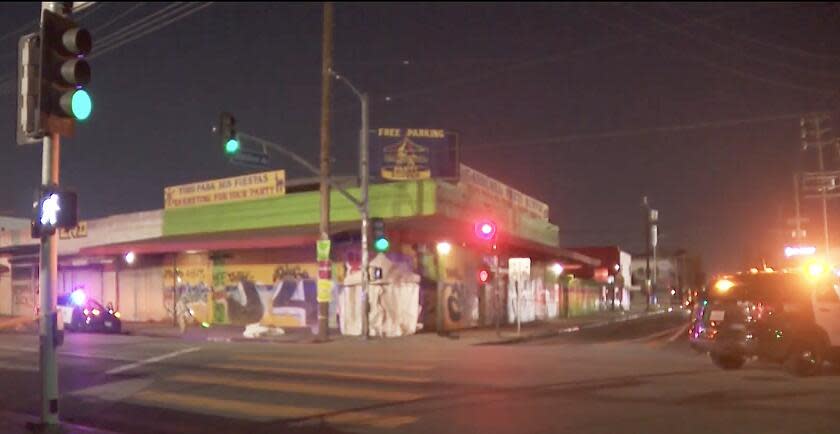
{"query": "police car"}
{"type": "Point", "coordinates": [788, 317]}
{"type": "Point", "coordinates": [78, 312]}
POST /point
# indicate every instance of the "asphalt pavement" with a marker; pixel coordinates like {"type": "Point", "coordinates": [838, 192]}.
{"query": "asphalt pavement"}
{"type": "Point", "coordinates": [636, 376]}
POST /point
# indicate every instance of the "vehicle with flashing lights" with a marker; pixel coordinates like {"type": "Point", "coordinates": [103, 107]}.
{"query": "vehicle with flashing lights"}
{"type": "Point", "coordinates": [80, 313]}
{"type": "Point", "coordinates": [790, 317]}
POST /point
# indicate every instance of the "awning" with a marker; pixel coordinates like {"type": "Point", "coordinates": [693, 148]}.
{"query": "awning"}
{"type": "Point", "coordinates": [405, 230]}
{"type": "Point", "coordinates": [239, 240]}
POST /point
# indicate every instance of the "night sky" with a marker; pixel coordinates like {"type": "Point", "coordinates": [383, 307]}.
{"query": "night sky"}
{"type": "Point", "coordinates": [586, 107]}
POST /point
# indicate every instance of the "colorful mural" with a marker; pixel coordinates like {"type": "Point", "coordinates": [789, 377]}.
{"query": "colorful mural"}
{"type": "Point", "coordinates": [281, 295]}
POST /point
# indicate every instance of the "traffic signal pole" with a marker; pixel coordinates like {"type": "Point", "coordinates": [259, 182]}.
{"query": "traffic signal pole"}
{"type": "Point", "coordinates": [48, 278]}
{"type": "Point", "coordinates": [47, 282]}
{"type": "Point", "coordinates": [364, 181]}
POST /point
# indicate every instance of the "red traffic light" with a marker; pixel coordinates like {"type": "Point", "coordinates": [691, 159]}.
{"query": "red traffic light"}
{"type": "Point", "coordinates": [485, 230]}
{"type": "Point", "coordinates": [483, 275]}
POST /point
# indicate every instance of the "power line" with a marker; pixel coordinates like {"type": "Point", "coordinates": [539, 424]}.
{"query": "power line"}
{"type": "Point", "coordinates": [128, 38]}
{"type": "Point", "coordinates": [714, 65]}
{"type": "Point", "coordinates": [758, 41]}
{"type": "Point", "coordinates": [547, 59]}
{"type": "Point", "coordinates": [635, 132]}
{"type": "Point", "coordinates": [691, 35]}
{"type": "Point", "coordinates": [116, 18]}
{"type": "Point", "coordinates": [150, 18]}
{"type": "Point", "coordinates": [142, 27]}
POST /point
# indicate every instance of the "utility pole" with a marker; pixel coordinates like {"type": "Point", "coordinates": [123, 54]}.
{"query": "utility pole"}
{"type": "Point", "coordinates": [815, 121]}
{"type": "Point", "coordinates": [651, 218]}
{"type": "Point", "coordinates": [324, 267]}
{"type": "Point", "coordinates": [798, 233]}
{"type": "Point", "coordinates": [646, 208]}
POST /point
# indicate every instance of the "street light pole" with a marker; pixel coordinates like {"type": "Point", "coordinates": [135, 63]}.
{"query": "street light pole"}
{"type": "Point", "coordinates": [364, 181]}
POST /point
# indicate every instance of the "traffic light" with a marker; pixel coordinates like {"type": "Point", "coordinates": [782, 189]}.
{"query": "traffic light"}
{"type": "Point", "coordinates": [64, 73]}
{"type": "Point", "coordinates": [380, 240]}
{"type": "Point", "coordinates": [53, 208]}
{"type": "Point", "coordinates": [485, 230]}
{"type": "Point", "coordinates": [227, 133]}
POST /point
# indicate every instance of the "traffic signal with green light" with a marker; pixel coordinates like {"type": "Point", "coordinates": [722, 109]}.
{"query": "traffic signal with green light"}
{"type": "Point", "coordinates": [227, 133]}
{"type": "Point", "coordinates": [380, 239]}
{"type": "Point", "coordinates": [64, 73]}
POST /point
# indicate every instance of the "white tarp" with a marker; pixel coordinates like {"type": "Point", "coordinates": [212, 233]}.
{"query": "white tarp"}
{"type": "Point", "coordinates": [394, 301]}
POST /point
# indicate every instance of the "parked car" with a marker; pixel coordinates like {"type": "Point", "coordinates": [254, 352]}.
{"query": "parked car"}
{"type": "Point", "coordinates": [81, 313]}
{"type": "Point", "coordinates": [786, 317]}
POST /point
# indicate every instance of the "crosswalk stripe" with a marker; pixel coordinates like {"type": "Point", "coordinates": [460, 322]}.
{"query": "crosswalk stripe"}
{"type": "Point", "coordinates": [321, 362]}
{"type": "Point", "coordinates": [269, 411]}
{"type": "Point", "coordinates": [326, 374]}
{"type": "Point", "coordinates": [300, 388]}
{"type": "Point", "coordinates": [17, 367]}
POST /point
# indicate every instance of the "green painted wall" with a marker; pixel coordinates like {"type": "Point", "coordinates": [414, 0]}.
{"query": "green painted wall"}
{"type": "Point", "coordinates": [402, 199]}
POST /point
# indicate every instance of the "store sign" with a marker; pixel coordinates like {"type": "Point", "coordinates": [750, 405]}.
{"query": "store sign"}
{"type": "Point", "coordinates": [247, 187]}
{"type": "Point", "coordinates": [80, 231]}
{"type": "Point", "coordinates": [479, 183]}
{"type": "Point", "coordinates": [601, 275]}
{"type": "Point", "coordinates": [791, 251]}
{"type": "Point", "coordinates": [413, 154]}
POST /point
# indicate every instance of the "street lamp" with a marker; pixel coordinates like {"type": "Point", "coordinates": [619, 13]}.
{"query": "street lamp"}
{"type": "Point", "coordinates": [130, 257]}
{"type": "Point", "coordinates": [364, 179]}
{"type": "Point", "coordinates": [444, 248]}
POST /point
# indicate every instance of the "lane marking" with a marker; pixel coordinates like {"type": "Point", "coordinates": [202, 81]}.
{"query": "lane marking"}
{"type": "Point", "coordinates": [352, 364]}
{"type": "Point", "coordinates": [218, 406]}
{"type": "Point", "coordinates": [326, 374]}
{"type": "Point", "coordinates": [19, 349]}
{"type": "Point", "coordinates": [299, 388]}
{"type": "Point", "coordinates": [15, 367]}
{"type": "Point", "coordinates": [139, 363]}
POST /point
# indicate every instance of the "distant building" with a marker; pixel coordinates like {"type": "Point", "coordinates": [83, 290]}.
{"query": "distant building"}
{"type": "Point", "coordinates": [675, 270]}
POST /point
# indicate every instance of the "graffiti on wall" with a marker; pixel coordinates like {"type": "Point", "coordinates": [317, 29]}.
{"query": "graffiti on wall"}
{"type": "Point", "coordinates": [278, 295]}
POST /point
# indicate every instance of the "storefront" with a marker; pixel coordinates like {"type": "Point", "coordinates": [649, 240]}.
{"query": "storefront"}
{"type": "Point", "coordinates": [252, 260]}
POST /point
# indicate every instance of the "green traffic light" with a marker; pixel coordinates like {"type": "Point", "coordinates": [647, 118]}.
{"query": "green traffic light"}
{"type": "Point", "coordinates": [81, 105]}
{"type": "Point", "coordinates": [381, 244]}
{"type": "Point", "coordinates": [232, 146]}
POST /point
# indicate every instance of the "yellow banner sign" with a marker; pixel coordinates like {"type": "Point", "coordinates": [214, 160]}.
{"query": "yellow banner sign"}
{"type": "Point", "coordinates": [247, 187]}
{"type": "Point", "coordinates": [80, 231]}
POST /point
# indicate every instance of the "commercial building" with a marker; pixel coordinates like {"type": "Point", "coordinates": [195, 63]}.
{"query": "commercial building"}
{"type": "Point", "coordinates": [242, 250]}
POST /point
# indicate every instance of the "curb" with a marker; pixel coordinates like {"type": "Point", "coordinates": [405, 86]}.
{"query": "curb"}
{"type": "Point", "coordinates": [31, 424]}
{"type": "Point", "coordinates": [12, 323]}
{"type": "Point", "coordinates": [558, 332]}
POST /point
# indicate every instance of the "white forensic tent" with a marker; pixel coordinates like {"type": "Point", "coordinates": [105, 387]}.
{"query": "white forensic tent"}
{"type": "Point", "coordinates": [394, 300]}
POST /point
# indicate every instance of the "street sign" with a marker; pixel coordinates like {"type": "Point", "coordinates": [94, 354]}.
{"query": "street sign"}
{"type": "Point", "coordinates": [411, 154]}
{"type": "Point", "coordinates": [793, 221]}
{"type": "Point", "coordinates": [323, 250]}
{"type": "Point", "coordinates": [251, 158]}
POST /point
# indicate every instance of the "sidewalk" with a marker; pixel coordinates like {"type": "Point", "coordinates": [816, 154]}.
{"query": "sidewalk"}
{"type": "Point", "coordinates": [16, 423]}
{"type": "Point", "coordinates": [218, 333]}
{"type": "Point", "coordinates": [481, 336]}
{"type": "Point", "coordinates": [544, 329]}
{"type": "Point", "coordinates": [16, 323]}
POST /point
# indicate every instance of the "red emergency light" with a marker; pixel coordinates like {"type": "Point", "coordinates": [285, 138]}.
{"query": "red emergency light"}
{"type": "Point", "coordinates": [485, 230]}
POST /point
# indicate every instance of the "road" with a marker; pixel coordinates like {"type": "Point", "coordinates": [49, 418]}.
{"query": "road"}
{"type": "Point", "coordinates": [627, 378]}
